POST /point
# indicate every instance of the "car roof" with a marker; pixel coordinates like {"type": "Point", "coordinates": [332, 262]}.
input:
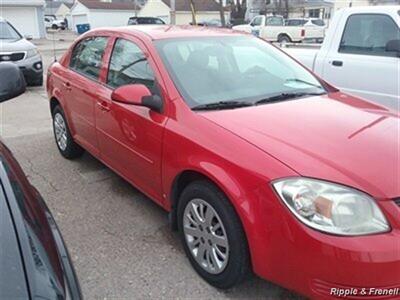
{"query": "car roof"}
{"type": "Point", "coordinates": [157, 32]}
{"type": "Point", "coordinates": [374, 9]}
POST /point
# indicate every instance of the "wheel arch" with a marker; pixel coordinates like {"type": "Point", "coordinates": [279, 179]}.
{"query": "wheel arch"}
{"type": "Point", "coordinates": [225, 184]}
{"type": "Point", "coordinates": [284, 34]}
{"type": "Point", "coordinates": [54, 102]}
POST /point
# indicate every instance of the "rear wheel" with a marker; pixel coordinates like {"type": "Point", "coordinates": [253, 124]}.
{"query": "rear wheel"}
{"type": "Point", "coordinates": [65, 143]}
{"type": "Point", "coordinates": [283, 39]}
{"type": "Point", "coordinates": [212, 235]}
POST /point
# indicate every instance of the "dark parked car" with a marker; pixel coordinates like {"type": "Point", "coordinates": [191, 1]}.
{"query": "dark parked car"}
{"type": "Point", "coordinates": [145, 21]}
{"type": "Point", "coordinates": [34, 260]}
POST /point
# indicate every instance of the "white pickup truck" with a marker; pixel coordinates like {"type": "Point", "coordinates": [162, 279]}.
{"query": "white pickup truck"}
{"type": "Point", "coordinates": [273, 28]}
{"type": "Point", "coordinates": [360, 54]}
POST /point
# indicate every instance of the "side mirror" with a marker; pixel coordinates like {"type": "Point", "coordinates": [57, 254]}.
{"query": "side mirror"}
{"type": "Point", "coordinates": [28, 37]}
{"type": "Point", "coordinates": [137, 94]}
{"type": "Point", "coordinates": [12, 83]}
{"type": "Point", "coordinates": [393, 46]}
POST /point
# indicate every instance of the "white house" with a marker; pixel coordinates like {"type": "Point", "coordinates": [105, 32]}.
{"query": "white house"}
{"type": "Point", "coordinates": [205, 10]}
{"type": "Point", "coordinates": [101, 14]}
{"type": "Point", "coordinates": [59, 9]}
{"type": "Point", "coordinates": [25, 15]}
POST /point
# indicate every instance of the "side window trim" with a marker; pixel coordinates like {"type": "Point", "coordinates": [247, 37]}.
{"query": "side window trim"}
{"type": "Point", "coordinates": [364, 14]}
{"type": "Point", "coordinates": [99, 79]}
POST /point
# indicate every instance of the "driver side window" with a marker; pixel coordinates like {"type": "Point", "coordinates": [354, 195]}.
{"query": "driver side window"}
{"type": "Point", "coordinates": [256, 21]}
{"type": "Point", "coordinates": [368, 34]}
{"type": "Point", "coordinates": [129, 65]}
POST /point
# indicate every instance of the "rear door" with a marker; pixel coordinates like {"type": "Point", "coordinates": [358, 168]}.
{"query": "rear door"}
{"type": "Point", "coordinates": [358, 62]}
{"type": "Point", "coordinates": [81, 88]}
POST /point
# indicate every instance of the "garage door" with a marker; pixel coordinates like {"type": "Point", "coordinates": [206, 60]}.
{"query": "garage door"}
{"type": "Point", "coordinates": [79, 19]}
{"type": "Point", "coordinates": [22, 18]}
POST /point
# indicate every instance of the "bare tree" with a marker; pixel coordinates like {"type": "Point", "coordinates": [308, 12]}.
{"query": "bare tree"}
{"type": "Point", "coordinates": [193, 9]}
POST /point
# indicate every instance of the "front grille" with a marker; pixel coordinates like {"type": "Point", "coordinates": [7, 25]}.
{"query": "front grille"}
{"type": "Point", "coordinates": [397, 201]}
{"type": "Point", "coordinates": [16, 56]}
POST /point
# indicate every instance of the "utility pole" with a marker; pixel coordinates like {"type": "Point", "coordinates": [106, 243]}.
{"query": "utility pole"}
{"type": "Point", "coordinates": [173, 13]}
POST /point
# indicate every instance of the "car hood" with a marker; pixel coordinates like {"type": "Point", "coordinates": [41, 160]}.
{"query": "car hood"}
{"type": "Point", "coordinates": [337, 138]}
{"type": "Point", "coordinates": [15, 45]}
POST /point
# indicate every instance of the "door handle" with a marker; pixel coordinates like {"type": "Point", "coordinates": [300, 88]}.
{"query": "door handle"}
{"type": "Point", "coordinates": [67, 86]}
{"type": "Point", "coordinates": [337, 63]}
{"type": "Point", "coordinates": [103, 106]}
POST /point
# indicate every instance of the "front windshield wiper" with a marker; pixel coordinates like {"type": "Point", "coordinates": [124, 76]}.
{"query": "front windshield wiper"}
{"type": "Point", "coordinates": [286, 96]}
{"type": "Point", "coordinates": [303, 81]}
{"type": "Point", "coordinates": [221, 105]}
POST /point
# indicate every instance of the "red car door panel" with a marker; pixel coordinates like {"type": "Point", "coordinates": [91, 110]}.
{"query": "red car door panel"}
{"type": "Point", "coordinates": [81, 108]}
{"type": "Point", "coordinates": [81, 86]}
{"type": "Point", "coordinates": [130, 137]}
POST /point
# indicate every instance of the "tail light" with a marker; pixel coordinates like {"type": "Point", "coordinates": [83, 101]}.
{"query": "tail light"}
{"type": "Point", "coordinates": [303, 32]}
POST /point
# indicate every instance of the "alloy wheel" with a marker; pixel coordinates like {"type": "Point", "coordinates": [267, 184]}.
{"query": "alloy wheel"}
{"type": "Point", "coordinates": [205, 236]}
{"type": "Point", "coordinates": [60, 130]}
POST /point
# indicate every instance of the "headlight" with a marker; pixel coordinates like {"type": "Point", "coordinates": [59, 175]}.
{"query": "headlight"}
{"type": "Point", "coordinates": [331, 207]}
{"type": "Point", "coordinates": [31, 53]}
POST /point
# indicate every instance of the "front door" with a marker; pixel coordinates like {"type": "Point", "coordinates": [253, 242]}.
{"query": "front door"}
{"type": "Point", "coordinates": [130, 137]}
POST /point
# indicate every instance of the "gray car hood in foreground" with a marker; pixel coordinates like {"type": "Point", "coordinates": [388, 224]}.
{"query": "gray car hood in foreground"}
{"type": "Point", "coordinates": [15, 45]}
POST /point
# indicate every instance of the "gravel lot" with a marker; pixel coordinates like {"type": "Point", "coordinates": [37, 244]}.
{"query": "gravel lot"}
{"type": "Point", "coordinates": [119, 240]}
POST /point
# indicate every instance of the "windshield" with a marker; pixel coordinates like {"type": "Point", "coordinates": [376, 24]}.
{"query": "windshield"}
{"type": "Point", "coordinates": [246, 69]}
{"type": "Point", "coordinates": [7, 32]}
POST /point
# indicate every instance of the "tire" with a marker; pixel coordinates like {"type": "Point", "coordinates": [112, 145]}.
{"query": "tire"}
{"type": "Point", "coordinates": [283, 38]}
{"type": "Point", "coordinates": [64, 141]}
{"type": "Point", "coordinates": [235, 268]}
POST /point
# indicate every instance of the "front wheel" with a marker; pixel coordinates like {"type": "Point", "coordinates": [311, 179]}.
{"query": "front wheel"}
{"type": "Point", "coordinates": [65, 143]}
{"type": "Point", "coordinates": [212, 235]}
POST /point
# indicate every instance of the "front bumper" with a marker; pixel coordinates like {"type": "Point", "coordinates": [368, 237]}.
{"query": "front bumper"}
{"type": "Point", "coordinates": [323, 266]}
{"type": "Point", "coordinates": [32, 68]}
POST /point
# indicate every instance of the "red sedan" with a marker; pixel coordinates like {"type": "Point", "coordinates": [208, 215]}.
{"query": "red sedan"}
{"type": "Point", "coordinates": [262, 166]}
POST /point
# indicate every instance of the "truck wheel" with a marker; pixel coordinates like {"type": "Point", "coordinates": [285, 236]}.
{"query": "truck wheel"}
{"type": "Point", "coordinates": [283, 39]}
{"type": "Point", "coordinates": [212, 235]}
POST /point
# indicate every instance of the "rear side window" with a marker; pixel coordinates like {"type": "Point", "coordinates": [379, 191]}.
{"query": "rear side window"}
{"type": "Point", "coordinates": [296, 22]}
{"type": "Point", "coordinates": [368, 34]}
{"type": "Point", "coordinates": [87, 56]}
{"type": "Point", "coordinates": [129, 65]}
{"type": "Point", "coordinates": [318, 22]}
